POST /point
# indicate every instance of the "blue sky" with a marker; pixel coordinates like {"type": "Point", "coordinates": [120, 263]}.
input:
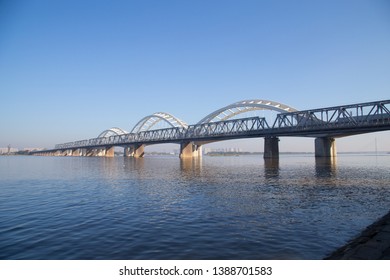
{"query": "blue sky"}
{"type": "Point", "coordinates": [71, 69]}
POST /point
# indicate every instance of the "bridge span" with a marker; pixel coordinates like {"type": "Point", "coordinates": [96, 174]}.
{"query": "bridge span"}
{"type": "Point", "coordinates": [323, 124]}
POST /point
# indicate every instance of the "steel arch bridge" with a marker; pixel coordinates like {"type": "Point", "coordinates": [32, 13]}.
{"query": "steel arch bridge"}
{"type": "Point", "coordinates": [324, 124]}
{"type": "Point", "coordinates": [147, 123]}
{"type": "Point", "coordinates": [244, 106]}
{"type": "Point", "coordinates": [112, 132]}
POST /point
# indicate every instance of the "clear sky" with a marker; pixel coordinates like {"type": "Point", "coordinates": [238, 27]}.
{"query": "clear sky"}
{"type": "Point", "coordinates": [70, 69]}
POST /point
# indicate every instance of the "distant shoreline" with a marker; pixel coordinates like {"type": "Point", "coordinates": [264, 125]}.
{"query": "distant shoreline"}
{"type": "Point", "coordinates": [291, 153]}
{"type": "Point", "coordinates": [220, 154]}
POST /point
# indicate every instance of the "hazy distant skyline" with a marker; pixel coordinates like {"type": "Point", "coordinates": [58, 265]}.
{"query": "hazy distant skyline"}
{"type": "Point", "coordinates": [71, 69]}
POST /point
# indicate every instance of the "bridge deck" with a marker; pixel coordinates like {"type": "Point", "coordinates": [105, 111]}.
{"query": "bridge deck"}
{"type": "Point", "coordinates": [332, 122]}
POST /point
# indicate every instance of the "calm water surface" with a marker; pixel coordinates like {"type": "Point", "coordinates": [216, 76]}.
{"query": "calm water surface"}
{"type": "Point", "coordinates": [167, 208]}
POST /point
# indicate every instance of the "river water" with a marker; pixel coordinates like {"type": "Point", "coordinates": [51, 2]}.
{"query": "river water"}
{"type": "Point", "coordinates": [167, 208]}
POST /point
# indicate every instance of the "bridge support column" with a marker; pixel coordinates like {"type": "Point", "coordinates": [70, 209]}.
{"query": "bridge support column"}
{"type": "Point", "coordinates": [325, 147]}
{"type": "Point", "coordinates": [98, 152]}
{"type": "Point", "coordinates": [83, 152]}
{"type": "Point", "coordinates": [76, 152]}
{"type": "Point", "coordinates": [109, 152]}
{"type": "Point", "coordinates": [190, 150]}
{"type": "Point", "coordinates": [89, 153]}
{"type": "Point", "coordinates": [271, 147]}
{"type": "Point", "coordinates": [136, 151]}
{"type": "Point", "coordinates": [127, 152]}
{"type": "Point", "coordinates": [139, 151]}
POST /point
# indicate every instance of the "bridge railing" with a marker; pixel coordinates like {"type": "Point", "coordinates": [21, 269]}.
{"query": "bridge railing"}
{"type": "Point", "coordinates": [364, 114]}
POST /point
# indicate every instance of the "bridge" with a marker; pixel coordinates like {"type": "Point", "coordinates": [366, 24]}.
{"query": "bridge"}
{"type": "Point", "coordinates": [323, 124]}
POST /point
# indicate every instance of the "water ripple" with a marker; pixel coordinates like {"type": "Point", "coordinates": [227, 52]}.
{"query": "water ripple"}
{"type": "Point", "coordinates": [164, 208]}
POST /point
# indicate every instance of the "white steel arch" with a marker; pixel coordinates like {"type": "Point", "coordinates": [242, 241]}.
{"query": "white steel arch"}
{"type": "Point", "coordinates": [112, 131]}
{"type": "Point", "coordinates": [148, 122]}
{"type": "Point", "coordinates": [245, 106]}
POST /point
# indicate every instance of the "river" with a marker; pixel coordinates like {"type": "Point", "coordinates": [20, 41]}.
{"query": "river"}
{"type": "Point", "coordinates": [239, 207]}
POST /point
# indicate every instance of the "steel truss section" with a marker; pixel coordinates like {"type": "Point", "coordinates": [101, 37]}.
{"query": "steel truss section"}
{"type": "Point", "coordinates": [226, 128]}
{"type": "Point", "coordinates": [340, 121]}
{"type": "Point", "coordinates": [356, 115]}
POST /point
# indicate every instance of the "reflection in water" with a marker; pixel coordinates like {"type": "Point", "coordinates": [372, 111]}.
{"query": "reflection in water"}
{"type": "Point", "coordinates": [191, 166]}
{"type": "Point", "coordinates": [131, 163]}
{"type": "Point", "coordinates": [325, 167]}
{"type": "Point", "coordinates": [271, 168]}
{"type": "Point", "coordinates": [109, 168]}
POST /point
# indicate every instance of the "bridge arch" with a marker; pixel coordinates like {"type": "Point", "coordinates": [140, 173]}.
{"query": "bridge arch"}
{"type": "Point", "coordinates": [245, 106]}
{"type": "Point", "coordinates": [148, 122]}
{"type": "Point", "coordinates": [112, 132]}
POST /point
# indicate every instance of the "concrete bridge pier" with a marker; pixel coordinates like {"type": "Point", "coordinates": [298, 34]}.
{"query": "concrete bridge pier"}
{"type": "Point", "coordinates": [271, 148]}
{"type": "Point", "coordinates": [136, 151]}
{"type": "Point", "coordinates": [325, 147]}
{"type": "Point", "coordinates": [109, 151]}
{"type": "Point", "coordinates": [100, 152]}
{"type": "Point", "coordinates": [83, 152]}
{"type": "Point", "coordinates": [190, 150]}
{"type": "Point", "coordinates": [89, 152]}
{"type": "Point", "coordinates": [76, 152]}
{"type": "Point", "coordinates": [126, 152]}
{"type": "Point", "coordinates": [139, 151]}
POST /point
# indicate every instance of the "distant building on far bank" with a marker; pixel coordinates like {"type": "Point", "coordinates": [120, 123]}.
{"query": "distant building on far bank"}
{"type": "Point", "coordinates": [5, 151]}
{"type": "Point", "coordinates": [13, 151]}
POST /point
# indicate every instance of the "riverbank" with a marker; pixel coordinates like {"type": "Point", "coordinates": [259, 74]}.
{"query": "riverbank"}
{"type": "Point", "coordinates": [372, 244]}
